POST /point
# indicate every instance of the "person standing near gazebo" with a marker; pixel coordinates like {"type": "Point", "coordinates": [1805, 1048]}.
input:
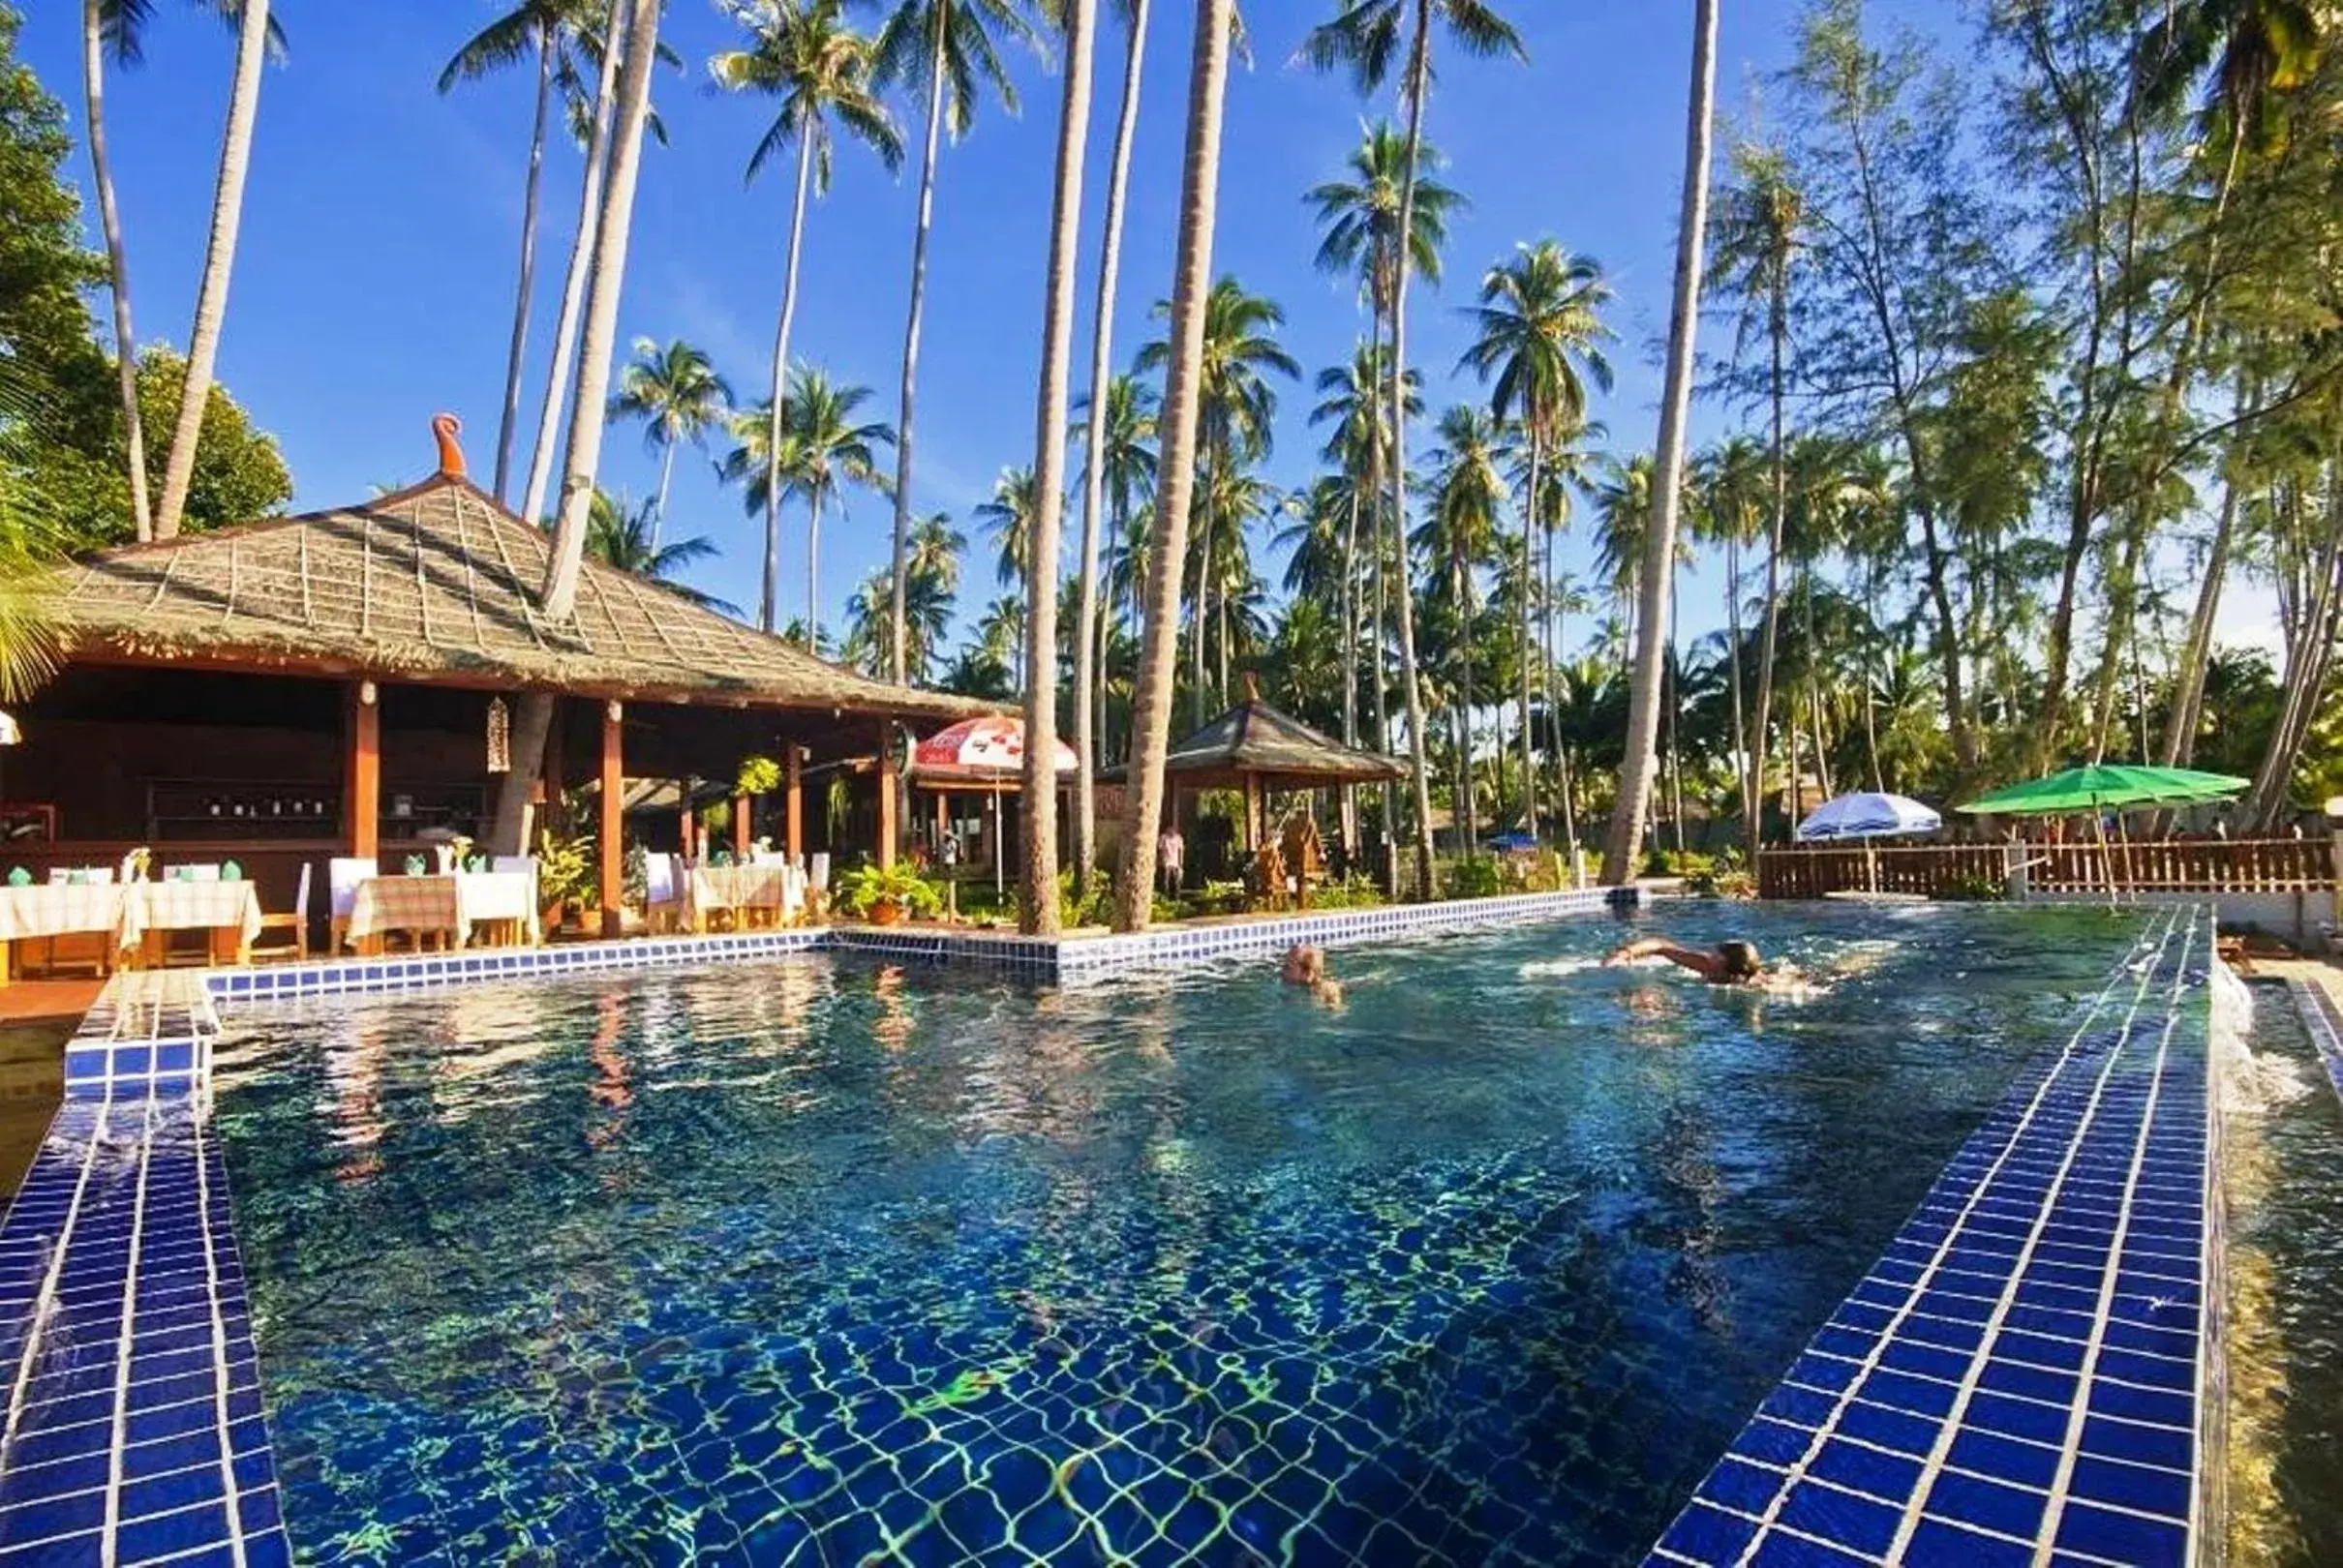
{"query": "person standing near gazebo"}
{"type": "Point", "coordinates": [1171, 854]}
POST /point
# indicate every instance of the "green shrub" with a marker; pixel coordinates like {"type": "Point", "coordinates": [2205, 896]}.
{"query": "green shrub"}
{"type": "Point", "coordinates": [758, 775]}
{"type": "Point", "coordinates": [1971, 888]}
{"type": "Point", "coordinates": [1475, 877]}
{"type": "Point", "coordinates": [861, 887]}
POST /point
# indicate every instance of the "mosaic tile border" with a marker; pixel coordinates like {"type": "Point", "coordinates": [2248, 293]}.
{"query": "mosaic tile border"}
{"type": "Point", "coordinates": [1071, 960]}
{"type": "Point", "coordinates": [2031, 1371]}
{"type": "Point", "coordinates": [134, 1432]}
{"type": "Point", "coordinates": [2325, 1026]}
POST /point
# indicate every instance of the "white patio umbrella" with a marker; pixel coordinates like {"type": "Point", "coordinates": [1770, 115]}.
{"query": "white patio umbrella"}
{"type": "Point", "coordinates": [1864, 816]}
{"type": "Point", "coordinates": [1868, 814]}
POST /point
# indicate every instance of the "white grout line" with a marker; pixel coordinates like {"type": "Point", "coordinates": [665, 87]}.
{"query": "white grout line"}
{"type": "Point", "coordinates": [44, 1304]}
{"type": "Point", "coordinates": [219, 1346]}
{"type": "Point", "coordinates": [124, 1329]}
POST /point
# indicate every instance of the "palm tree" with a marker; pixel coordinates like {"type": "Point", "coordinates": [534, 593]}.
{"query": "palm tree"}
{"type": "Point", "coordinates": [1090, 630]}
{"type": "Point", "coordinates": [1538, 332]}
{"type": "Point", "coordinates": [1759, 233]}
{"type": "Point", "coordinates": [1037, 908]}
{"type": "Point", "coordinates": [531, 28]}
{"type": "Point", "coordinates": [621, 535]}
{"type": "Point", "coordinates": [1643, 690]}
{"type": "Point", "coordinates": [1364, 37]}
{"type": "Point", "coordinates": [257, 37]}
{"type": "Point", "coordinates": [945, 48]}
{"type": "Point", "coordinates": [606, 279]}
{"type": "Point", "coordinates": [1459, 532]}
{"type": "Point", "coordinates": [1000, 631]}
{"type": "Point", "coordinates": [804, 54]}
{"type": "Point", "coordinates": [822, 451]}
{"type": "Point", "coordinates": [1124, 469]}
{"type": "Point", "coordinates": [1238, 407]}
{"type": "Point", "coordinates": [1183, 377]}
{"type": "Point", "coordinates": [678, 395]}
{"type": "Point", "coordinates": [1008, 517]}
{"type": "Point", "coordinates": [118, 24]}
{"type": "Point", "coordinates": [582, 249]}
{"type": "Point", "coordinates": [1733, 485]}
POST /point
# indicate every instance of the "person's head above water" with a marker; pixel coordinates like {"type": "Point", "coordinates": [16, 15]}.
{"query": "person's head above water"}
{"type": "Point", "coordinates": [1304, 965]}
{"type": "Point", "coordinates": [1739, 961]}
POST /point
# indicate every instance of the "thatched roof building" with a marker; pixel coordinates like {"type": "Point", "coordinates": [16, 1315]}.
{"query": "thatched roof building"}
{"type": "Point", "coordinates": [437, 583]}
{"type": "Point", "coordinates": [1253, 743]}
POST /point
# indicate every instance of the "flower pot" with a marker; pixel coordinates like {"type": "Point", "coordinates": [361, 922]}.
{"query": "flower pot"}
{"type": "Point", "coordinates": [885, 911]}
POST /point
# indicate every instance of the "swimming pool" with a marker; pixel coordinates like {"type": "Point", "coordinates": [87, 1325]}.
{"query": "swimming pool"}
{"type": "Point", "coordinates": [817, 1259]}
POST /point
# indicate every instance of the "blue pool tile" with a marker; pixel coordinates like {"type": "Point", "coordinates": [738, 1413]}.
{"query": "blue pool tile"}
{"type": "Point", "coordinates": [2118, 1537]}
{"type": "Point", "coordinates": [1888, 1477]}
{"type": "Point", "coordinates": [1938, 1544]}
{"type": "Point", "coordinates": [2135, 1487]}
{"type": "Point", "coordinates": [1856, 1522]}
{"type": "Point", "coordinates": [1991, 1505]}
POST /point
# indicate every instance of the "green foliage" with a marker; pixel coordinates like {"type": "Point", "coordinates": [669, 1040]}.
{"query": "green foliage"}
{"type": "Point", "coordinates": [862, 888]}
{"type": "Point", "coordinates": [1475, 877]}
{"type": "Point", "coordinates": [1353, 891]}
{"type": "Point", "coordinates": [758, 775]}
{"type": "Point", "coordinates": [566, 873]}
{"type": "Point", "coordinates": [1972, 887]}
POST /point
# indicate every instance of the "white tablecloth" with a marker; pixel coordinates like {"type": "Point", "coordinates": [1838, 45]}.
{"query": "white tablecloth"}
{"type": "Point", "coordinates": [48, 909]}
{"type": "Point", "coordinates": [494, 895]}
{"type": "Point", "coordinates": [451, 903]}
{"type": "Point", "coordinates": [190, 906]}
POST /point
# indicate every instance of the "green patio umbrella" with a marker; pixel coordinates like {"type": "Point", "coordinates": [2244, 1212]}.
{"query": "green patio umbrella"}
{"type": "Point", "coordinates": [2111, 784]}
{"type": "Point", "coordinates": [2108, 784]}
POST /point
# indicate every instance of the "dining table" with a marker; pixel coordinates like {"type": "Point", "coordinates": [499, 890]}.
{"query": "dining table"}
{"type": "Point", "coordinates": [757, 885]}
{"type": "Point", "coordinates": [131, 920]}
{"type": "Point", "coordinates": [450, 905]}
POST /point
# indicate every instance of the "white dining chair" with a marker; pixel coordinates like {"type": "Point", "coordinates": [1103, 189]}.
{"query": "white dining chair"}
{"type": "Point", "coordinates": [343, 874]}
{"type": "Point", "coordinates": [202, 873]}
{"type": "Point", "coordinates": [297, 923]}
{"type": "Point", "coordinates": [662, 890]}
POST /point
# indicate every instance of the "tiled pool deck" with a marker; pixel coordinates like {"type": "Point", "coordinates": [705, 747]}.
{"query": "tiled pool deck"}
{"type": "Point", "coordinates": [2016, 1380]}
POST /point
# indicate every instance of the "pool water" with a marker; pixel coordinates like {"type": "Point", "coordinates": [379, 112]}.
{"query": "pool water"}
{"type": "Point", "coordinates": [822, 1260]}
{"type": "Point", "coordinates": [2283, 1133]}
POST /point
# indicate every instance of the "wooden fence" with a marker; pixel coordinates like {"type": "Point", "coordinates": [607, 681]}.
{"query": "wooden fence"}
{"type": "Point", "coordinates": [2191, 866]}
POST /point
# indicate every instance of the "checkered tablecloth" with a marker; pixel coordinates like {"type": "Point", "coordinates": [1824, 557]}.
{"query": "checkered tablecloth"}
{"type": "Point", "coordinates": [55, 908]}
{"type": "Point", "coordinates": [451, 903]}
{"type": "Point", "coordinates": [384, 904]}
{"type": "Point", "coordinates": [735, 887]}
{"type": "Point", "coordinates": [190, 906]}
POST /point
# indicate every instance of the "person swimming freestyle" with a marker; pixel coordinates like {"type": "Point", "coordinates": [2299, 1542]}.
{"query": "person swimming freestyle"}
{"type": "Point", "coordinates": [1728, 963]}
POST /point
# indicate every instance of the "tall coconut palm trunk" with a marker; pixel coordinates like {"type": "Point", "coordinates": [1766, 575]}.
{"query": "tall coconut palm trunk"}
{"type": "Point", "coordinates": [1192, 283]}
{"type": "Point", "coordinates": [1760, 742]}
{"type": "Point", "coordinates": [1644, 694]}
{"type": "Point", "coordinates": [1350, 676]}
{"type": "Point", "coordinates": [2309, 652]}
{"type": "Point", "coordinates": [911, 341]}
{"type": "Point", "coordinates": [218, 260]}
{"type": "Point", "coordinates": [1089, 645]}
{"type": "Point", "coordinates": [516, 352]}
{"type": "Point", "coordinates": [533, 720]}
{"type": "Point", "coordinates": [814, 571]}
{"type": "Point", "coordinates": [1197, 711]}
{"type": "Point", "coordinates": [771, 593]}
{"type": "Point", "coordinates": [117, 261]}
{"type": "Point", "coordinates": [1529, 580]}
{"type": "Point", "coordinates": [1038, 911]}
{"type": "Point", "coordinates": [1419, 82]}
{"type": "Point", "coordinates": [580, 263]}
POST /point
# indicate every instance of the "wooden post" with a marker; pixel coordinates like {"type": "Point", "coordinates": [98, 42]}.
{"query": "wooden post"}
{"type": "Point", "coordinates": [363, 773]}
{"type": "Point", "coordinates": [614, 788]}
{"type": "Point", "coordinates": [793, 821]}
{"type": "Point", "coordinates": [744, 825]}
{"type": "Point", "coordinates": [686, 822]}
{"type": "Point", "coordinates": [1252, 813]}
{"type": "Point", "coordinates": [886, 794]}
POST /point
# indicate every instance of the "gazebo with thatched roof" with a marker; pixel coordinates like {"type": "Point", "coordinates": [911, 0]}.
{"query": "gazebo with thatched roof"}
{"type": "Point", "coordinates": [1256, 748]}
{"type": "Point", "coordinates": [339, 682]}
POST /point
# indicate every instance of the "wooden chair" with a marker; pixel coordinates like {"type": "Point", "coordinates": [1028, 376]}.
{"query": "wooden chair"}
{"type": "Point", "coordinates": [297, 923]}
{"type": "Point", "coordinates": [343, 874]}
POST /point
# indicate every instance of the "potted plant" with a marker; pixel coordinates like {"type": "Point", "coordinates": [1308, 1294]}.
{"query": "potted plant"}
{"type": "Point", "coordinates": [566, 876]}
{"type": "Point", "coordinates": [884, 895]}
{"type": "Point", "coordinates": [758, 775]}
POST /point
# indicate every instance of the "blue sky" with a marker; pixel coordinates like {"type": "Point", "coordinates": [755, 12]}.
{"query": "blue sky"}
{"type": "Point", "coordinates": [374, 280]}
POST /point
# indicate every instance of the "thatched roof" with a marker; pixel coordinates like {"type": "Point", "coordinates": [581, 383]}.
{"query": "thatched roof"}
{"type": "Point", "coordinates": [1254, 739]}
{"type": "Point", "coordinates": [438, 584]}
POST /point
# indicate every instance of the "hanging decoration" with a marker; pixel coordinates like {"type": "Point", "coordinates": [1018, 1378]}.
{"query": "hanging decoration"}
{"type": "Point", "coordinates": [500, 737]}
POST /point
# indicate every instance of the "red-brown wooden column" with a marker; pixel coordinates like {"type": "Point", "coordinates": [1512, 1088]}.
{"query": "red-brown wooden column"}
{"type": "Point", "coordinates": [886, 794]}
{"type": "Point", "coordinates": [362, 772]}
{"type": "Point", "coordinates": [793, 824]}
{"type": "Point", "coordinates": [614, 790]}
{"type": "Point", "coordinates": [744, 825]}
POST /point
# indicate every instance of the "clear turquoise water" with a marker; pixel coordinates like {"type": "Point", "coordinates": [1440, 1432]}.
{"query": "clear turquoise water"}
{"type": "Point", "coordinates": [820, 1261]}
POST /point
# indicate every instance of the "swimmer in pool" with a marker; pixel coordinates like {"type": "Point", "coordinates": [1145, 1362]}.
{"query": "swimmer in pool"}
{"type": "Point", "coordinates": [1306, 965]}
{"type": "Point", "coordinates": [1729, 963]}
